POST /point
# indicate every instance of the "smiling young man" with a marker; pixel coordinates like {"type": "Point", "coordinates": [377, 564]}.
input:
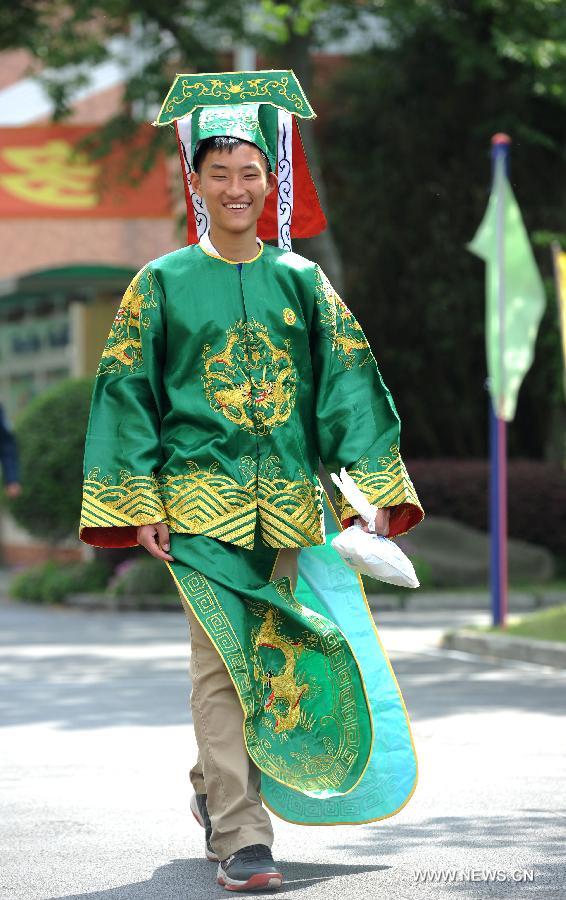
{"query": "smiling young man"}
{"type": "Point", "coordinates": [232, 368]}
{"type": "Point", "coordinates": [234, 179]}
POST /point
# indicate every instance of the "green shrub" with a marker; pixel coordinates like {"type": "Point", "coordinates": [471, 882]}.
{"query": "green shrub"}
{"type": "Point", "coordinates": [143, 576]}
{"type": "Point", "coordinates": [424, 572]}
{"type": "Point", "coordinates": [51, 582]}
{"type": "Point", "coordinates": [50, 434]}
{"type": "Point", "coordinates": [459, 489]}
{"type": "Point", "coordinates": [28, 585]}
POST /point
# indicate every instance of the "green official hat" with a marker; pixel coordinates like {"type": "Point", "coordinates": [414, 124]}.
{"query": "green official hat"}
{"type": "Point", "coordinates": [261, 108]}
{"type": "Point", "coordinates": [253, 122]}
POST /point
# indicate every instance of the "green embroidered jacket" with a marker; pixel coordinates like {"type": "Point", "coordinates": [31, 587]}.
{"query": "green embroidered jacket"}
{"type": "Point", "coordinates": [218, 390]}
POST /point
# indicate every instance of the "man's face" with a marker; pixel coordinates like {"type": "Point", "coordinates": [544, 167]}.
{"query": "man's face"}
{"type": "Point", "coordinates": [234, 186]}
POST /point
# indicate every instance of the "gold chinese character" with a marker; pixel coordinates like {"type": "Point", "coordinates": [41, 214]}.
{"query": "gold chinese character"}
{"type": "Point", "coordinates": [51, 175]}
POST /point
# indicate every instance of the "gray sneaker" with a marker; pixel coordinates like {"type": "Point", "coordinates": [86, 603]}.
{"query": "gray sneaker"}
{"type": "Point", "coordinates": [249, 869]}
{"type": "Point", "coordinates": [200, 812]}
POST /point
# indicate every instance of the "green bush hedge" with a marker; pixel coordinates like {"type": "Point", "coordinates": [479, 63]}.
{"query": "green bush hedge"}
{"type": "Point", "coordinates": [143, 576]}
{"type": "Point", "coordinates": [51, 582]}
{"type": "Point", "coordinates": [459, 489]}
{"type": "Point", "coordinates": [50, 434]}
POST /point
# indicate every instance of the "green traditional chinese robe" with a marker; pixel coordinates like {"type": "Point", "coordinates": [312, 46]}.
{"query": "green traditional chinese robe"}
{"type": "Point", "coordinates": [220, 387]}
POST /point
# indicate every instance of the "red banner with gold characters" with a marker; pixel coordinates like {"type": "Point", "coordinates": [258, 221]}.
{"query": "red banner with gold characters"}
{"type": "Point", "coordinates": [44, 175]}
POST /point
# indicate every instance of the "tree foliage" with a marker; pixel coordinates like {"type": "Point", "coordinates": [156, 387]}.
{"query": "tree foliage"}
{"type": "Point", "coordinates": [50, 434]}
{"type": "Point", "coordinates": [154, 39]}
{"type": "Point", "coordinates": [405, 158]}
{"type": "Point", "coordinates": [151, 39]}
{"type": "Point", "coordinates": [407, 153]}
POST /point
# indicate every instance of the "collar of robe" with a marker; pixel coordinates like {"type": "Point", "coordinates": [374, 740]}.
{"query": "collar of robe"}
{"type": "Point", "coordinates": [208, 247]}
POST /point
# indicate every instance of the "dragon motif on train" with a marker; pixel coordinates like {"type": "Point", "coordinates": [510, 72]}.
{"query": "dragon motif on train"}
{"type": "Point", "coordinates": [286, 692]}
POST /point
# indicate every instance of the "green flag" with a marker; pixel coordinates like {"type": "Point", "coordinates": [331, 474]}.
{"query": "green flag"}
{"type": "Point", "coordinates": [515, 294]}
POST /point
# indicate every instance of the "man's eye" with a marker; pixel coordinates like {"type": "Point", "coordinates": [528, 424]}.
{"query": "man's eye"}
{"type": "Point", "coordinates": [250, 176]}
{"type": "Point", "coordinates": [218, 177]}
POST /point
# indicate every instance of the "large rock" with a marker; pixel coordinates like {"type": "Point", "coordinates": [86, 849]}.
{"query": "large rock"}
{"type": "Point", "coordinates": [459, 554]}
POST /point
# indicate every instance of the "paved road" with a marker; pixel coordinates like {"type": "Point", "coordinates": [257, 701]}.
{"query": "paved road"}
{"type": "Point", "coordinates": [96, 741]}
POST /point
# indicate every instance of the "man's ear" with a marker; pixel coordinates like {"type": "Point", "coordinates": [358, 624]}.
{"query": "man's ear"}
{"type": "Point", "coordinates": [271, 183]}
{"type": "Point", "coordinates": [194, 178]}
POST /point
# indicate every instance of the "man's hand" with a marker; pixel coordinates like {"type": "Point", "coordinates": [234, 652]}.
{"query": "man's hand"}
{"type": "Point", "coordinates": [155, 539]}
{"type": "Point", "coordinates": [13, 490]}
{"type": "Point", "coordinates": [381, 522]}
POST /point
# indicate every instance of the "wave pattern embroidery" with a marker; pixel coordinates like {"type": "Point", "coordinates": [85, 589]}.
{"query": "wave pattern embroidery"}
{"type": "Point", "coordinates": [290, 511]}
{"type": "Point", "coordinates": [133, 501]}
{"type": "Point", "coordinates": [390, 485]}
{"type": "Point", "coordinates": [204, 501]}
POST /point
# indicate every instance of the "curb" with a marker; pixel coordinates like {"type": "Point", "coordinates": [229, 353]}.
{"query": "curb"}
{"type": "Point", "coordinates": [546, 653]}
{"type": "Point", "coordinates": [476, 600]}
{"type": "Point", "coordinates": [127, 602]}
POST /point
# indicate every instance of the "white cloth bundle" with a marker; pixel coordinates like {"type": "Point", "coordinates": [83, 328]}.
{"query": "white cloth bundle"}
{"type": "Point", "coordinates": [370, 554]}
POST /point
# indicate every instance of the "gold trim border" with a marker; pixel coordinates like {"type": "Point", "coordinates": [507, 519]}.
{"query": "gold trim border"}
{"type": "Point", "coordinates": [232, 262]}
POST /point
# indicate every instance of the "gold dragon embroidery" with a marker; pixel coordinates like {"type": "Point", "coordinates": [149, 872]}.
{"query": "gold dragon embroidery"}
{"type": "Point", "coordinates": [250, 381]}
{"type": "Point", "coordinates": [124, 348]}
{"type": "Point", "coordinates": [345, 331]}
{"type": "Point", "coordinates": [283, 686]}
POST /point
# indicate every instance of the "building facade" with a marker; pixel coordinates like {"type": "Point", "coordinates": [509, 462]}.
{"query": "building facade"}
{"type": "Point", "coordinates": [70, 245]}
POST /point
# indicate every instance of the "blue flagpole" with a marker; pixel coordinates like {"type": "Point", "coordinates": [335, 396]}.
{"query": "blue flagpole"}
{"type": "Point", "coordinates": [493, 517]}
{"type": "Point", "coordinates": [500, 144]}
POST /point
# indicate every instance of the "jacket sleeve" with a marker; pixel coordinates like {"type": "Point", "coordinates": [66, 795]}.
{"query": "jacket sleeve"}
{"type": "Point", "coordinates": [358, 426]}
{"type": "Point", "coordinates": [123, 449]}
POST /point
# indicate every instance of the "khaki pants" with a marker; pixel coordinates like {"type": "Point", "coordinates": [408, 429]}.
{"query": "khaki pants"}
{"type": "Point", "coordinates": [224, 771]}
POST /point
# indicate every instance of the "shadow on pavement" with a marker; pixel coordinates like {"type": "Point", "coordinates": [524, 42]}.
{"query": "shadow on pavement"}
{"type": "Point", "coordinates": [484, 833]}
{"type": "Point", "coordinates": [433, 687]}
{"type": "Point", "coordinates": [196, 878]}
{"type": "Point", "coordinates": [25, 624]}
{"type": "Point", "coordinates": [80, 670]}
{"type": "Point", "coordinates": [532, 841]}
{"type": "Point", "coordinates": [98, 691]}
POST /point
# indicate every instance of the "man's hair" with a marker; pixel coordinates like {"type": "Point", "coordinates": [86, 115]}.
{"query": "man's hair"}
{"type": "Point", "coordinates": [223, 142]}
